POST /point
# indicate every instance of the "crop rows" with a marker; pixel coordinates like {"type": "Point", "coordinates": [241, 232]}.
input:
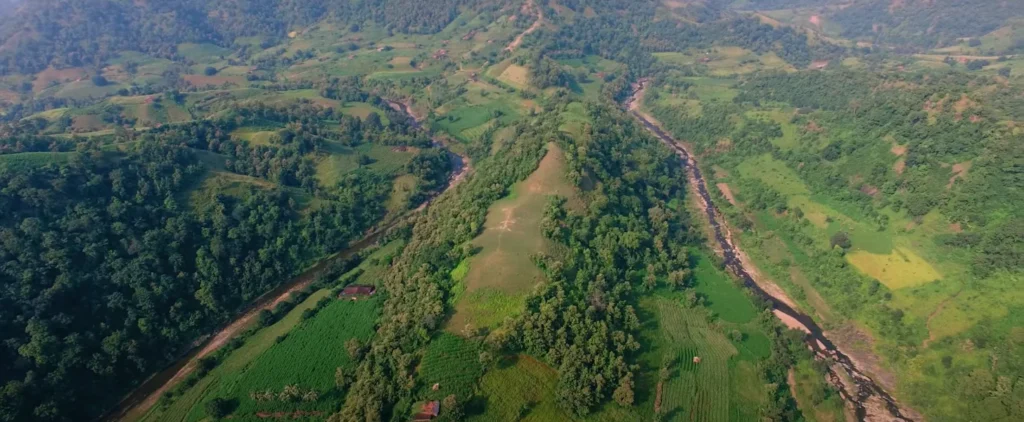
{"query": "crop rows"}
{"type": "Point", "coordinates": [700, 390]}
{"type": "Point", "coordinates": [451, 362]}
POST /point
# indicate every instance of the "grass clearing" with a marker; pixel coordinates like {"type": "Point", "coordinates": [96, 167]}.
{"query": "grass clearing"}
{"type": "Point", "coordinates": [519, 384]}
{"type": "Point", "coordinates": [401, 189]}
{"type": "Point", "coordinates": [255, 136]}
{"type": "Point", "coordinates": [790, 133]}
{"type": "Point", "coordinates": [502, 274]}
{"type": "Point", "coordinates": [803, 379]}
{"type": "Point", "coordinates": [341, 160]}
{"type": "Point", "coordinates": [713, 89]}
{"type": "Point", "coordinates": [202, 53]}
{"type": "Point", "coordinates": [515, 75]}
{"type": "Point", "coordinates": [721, 294]}
{"type": "Point", "coordinates": [363, 110]}
{"type": "Point", "coordinates": [775, 173]}
{"type": "Point", "coordinates": [900, 269]}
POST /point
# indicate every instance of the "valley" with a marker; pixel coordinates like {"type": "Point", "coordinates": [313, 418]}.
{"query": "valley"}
{"type": "Point", "coordinates": [506, 210]}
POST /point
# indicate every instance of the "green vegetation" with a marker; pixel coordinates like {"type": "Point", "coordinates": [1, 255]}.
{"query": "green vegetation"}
{"type": "Point", "coordinates": [880, 163]}
{"type": "Point", "coordinates": [193, 156]}
{"type": "Point", "coordinates": [520, 388]}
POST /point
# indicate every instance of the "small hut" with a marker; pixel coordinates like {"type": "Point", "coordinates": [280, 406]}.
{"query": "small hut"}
{"type": "Point", "coordinates": [696, 359]}
{"type": "Point", "coordinates": [356, 291]}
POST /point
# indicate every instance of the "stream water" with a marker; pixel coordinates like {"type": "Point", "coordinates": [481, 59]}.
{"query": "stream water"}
{"type": "Point", "coordinates": [140, 400]}
{"type": "Point", "coordinates": [864, 390]}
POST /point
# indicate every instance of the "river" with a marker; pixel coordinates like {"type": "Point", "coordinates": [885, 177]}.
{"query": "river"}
{"type": "Point", "coordinates": [869, 401]}
{"type": "Point", "coordinates": [139, 401]}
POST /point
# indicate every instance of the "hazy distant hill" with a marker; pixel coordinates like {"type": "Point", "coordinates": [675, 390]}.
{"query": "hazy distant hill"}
{"type": "Point", "coordinates": [49, 32]}
{"type": "Point", "coordinates": [921, 23]}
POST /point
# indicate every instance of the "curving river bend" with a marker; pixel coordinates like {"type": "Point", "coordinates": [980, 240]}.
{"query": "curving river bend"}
{"type": "Point", "coordinates": [869, 400]}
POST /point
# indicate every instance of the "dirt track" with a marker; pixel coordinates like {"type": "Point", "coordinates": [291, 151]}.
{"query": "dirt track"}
{"type": "Point", "coordinates": [529, 6]}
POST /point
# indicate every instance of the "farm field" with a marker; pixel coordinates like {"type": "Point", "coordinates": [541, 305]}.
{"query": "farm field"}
{"type": "Point", "coordinates": [182, 406]}
{"type": "Point", "coordinates": [453, 364]}
{"type": "Point", "coordinates": [307, 357]}
{"type": "Point", "coordinates": [26, 160]}
{"type": "Point", "coordinates": [294, 350]}
{"type": "Point", "coordinates": [501, 275]}
{"type": "Point", "coordinates": [726, 61]}
{"type": "Point", "coordinates": [712, 378]}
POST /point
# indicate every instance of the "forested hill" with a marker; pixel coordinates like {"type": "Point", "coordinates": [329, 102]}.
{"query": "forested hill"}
{"type": "Point", "coordinates": [918, 23]}
{"type": "Point", "coordinates": [69, 33]}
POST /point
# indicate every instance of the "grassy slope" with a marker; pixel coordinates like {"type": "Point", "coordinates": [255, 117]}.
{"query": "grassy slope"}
{"type": "Point", "coordinates": [502, 273]}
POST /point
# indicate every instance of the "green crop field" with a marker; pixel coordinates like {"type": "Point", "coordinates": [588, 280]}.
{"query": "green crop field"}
{"type": "Point", "coordinates": [502, 273]}
{"type": "Point", "coordinates": [308, 353]}
{"type": "Point", "coordinates": [307, 357]}
{"type": "Point", "coordinates": [182, 406]}
{"type": "Point", "coordinates": [203, 53]}
{"type": "Point", "coordinates": [25, 160]}
{"type": "Point", "coordinates": [713, 389]}
{"type": "Point", "coordinates": [775, 174]}
{"type": "Point", "coordinates": [451, 362]}
{"type": "Point", "coordinates": [723, 295]}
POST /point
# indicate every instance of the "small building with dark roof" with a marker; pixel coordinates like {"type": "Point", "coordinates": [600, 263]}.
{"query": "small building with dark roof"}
{"type": "Point", "coordinates": [355, 291]}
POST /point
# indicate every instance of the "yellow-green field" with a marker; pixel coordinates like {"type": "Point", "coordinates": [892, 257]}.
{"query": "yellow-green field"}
{"type": "Point", "coordinates": [727, 60]}
{"type": "Point", "coordinates": [899, 269]}
{"type": "Point", "coordinates": [515, 75]}
{"type": "Point", "coordinates": [774, 173]}
{"type": "Point", "coordinates": [255, 136]}
{"type": "Point", "coordinates": [502, 273]}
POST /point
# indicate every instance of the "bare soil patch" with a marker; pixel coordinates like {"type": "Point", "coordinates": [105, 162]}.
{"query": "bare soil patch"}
{"type": "Point", "coordinates": [899, 166]}
{"type": "Point", "coordinates": [87, 123]}
{"type": "Point", "coordinates": [959, 172]}
{"type": "Point", "coordinates": [200, 81]}
{"type": "Point", "coordinates": [898, 150]}
{"type": "Point", "coordinates": [724, 187]}
{"type": "Point", "coordinates": [815, 20]}
{"type": "Point", "coordinates": [50, 75]}
{"type": "Point", "coordinates": [790, 322]}
{"type": "Point", "coordinates": [869, 190]}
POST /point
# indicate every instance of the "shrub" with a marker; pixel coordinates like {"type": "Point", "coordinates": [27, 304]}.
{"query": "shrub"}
{"type": "Point", "coordinates": [219, 408]}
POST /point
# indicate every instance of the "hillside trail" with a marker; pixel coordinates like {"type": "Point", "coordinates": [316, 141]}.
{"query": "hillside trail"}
{"type": "Point", "coordinates": [868, 399]}
{"type": "Point", "coordinates": [528, 7]}
{"type": "Point", "coordinates": [137, 403]}
{"type": "Point", "coordinates": [928, 324]}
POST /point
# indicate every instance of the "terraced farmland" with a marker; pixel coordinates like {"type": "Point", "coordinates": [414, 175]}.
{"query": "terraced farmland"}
{"type": "Point", "coordinates": [699, 389]}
